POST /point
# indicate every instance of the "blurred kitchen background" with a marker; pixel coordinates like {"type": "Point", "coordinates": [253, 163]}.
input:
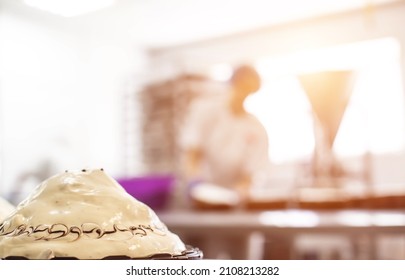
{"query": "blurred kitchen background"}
{"type": "Point", "coordinates": [104, 83]}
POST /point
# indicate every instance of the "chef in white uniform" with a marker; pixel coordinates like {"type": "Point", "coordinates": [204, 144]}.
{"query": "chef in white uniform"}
{"type": "Point", "coordinates": [223, 143]}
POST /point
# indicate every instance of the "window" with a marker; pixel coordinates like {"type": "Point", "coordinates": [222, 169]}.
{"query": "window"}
{"type": "Point", "coordinates": [374, 118]}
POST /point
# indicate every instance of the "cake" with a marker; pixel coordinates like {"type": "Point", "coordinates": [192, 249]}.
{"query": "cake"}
{"type": "Point", "coordinates": [87, 215]}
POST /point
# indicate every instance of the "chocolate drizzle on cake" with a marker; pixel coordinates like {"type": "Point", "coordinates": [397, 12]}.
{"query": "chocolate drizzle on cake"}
{"type": "Point", "coordinates": [89, 230]}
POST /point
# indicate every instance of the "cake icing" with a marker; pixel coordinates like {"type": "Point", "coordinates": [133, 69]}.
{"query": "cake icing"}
{"type": "Point", "coordinates": [87, 215]}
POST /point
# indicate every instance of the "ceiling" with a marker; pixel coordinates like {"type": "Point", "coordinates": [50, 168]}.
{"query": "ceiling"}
{"type": "Point", "coordinates": [160, 23]}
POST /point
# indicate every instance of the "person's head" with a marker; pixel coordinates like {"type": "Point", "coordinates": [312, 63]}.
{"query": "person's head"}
{"type": "Point", "coordinates": [245, 81]}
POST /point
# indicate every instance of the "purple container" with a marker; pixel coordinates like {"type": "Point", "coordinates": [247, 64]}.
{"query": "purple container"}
{"type": "Point", "coordinates": [153, 190]}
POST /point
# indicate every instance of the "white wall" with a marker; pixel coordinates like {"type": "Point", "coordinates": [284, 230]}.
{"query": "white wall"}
{"type": "Point", "coordinates": [61, 98]}
{"type": "Point", "coordinates": [328, 30]}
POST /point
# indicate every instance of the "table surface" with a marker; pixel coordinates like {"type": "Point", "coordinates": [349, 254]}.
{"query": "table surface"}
{"type": "Point", "coordinates": [287, 220]}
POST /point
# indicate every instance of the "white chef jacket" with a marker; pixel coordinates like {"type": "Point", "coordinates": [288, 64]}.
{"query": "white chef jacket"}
{"type": "Point", "coordinates": [231, 144]}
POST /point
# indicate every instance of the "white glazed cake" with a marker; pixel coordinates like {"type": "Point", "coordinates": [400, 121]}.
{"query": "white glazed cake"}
{"type": "Point", "coordinates": [85, 215]}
